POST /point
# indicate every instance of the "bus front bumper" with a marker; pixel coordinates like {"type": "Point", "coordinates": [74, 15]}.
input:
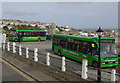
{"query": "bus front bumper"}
{"type": "Point", "coordinates": [109, 65]}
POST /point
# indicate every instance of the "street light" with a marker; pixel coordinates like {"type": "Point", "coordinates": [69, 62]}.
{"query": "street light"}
{"type": "Point", "coordinates": [99, 32]}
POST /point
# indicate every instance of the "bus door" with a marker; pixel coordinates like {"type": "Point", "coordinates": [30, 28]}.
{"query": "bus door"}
{"type": "Point", "coordinates": [94, 53]}
{"type": "Point", "coordinates": [85, 49]}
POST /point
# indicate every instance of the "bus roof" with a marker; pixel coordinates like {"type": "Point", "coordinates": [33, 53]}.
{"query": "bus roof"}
{"type": "Point", "coordinates": [30, 30]}
{"type": "Point", "coordinates": [92, 39]}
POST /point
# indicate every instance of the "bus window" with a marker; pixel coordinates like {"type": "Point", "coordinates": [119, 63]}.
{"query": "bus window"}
{"type": "Point", "coordinates": [59, 41]}
{"type": "Point", "coordinates": [42, 33]}
{"type": "Point", "coordinates": [24, 34]}
{"type": "Point", "coordinates": [12, 33]}
{"type": "Point", "coordinates": [56, 40]}
{"type": "Point", "coordinates": [77, 42]}
{"type": "Point", "coordinates": [32, 34]}
{"type": "Point", "coordinates": [85, 47]}
{"type": "Point", "coordinates": [80, 46]}
{"type": "Point", "coordinates": [75, 45]}
{"type": "Point", "coordinates": [65, 42]}
{"type": "Point", "coordinates": [108, 50]}
{"type": "Point", "coordinates": [89, 48]}
{"type": "Point", "coordinates": [37, 34]}
{"type": "Point", "coordinates": [70, 44]}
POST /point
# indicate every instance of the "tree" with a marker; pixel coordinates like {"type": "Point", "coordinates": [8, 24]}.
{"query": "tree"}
{"type": "Point", "coordinates": [36, 25]}
{"type": "Point", "coordinates": [12, 29]}
{"type": "Point", "coordinates": [5, 28]}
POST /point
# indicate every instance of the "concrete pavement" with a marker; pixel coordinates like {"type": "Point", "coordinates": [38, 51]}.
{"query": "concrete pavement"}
{"type": "Point", "coordinates": [9, 74]}
{"type": "Point", "coordinates": [27, 68]}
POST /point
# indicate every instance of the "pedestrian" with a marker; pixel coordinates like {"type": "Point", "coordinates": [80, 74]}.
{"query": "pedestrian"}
{"type": "Point", "coordinates": [20, 36]}
{"type": "Point", "coordinates": [3, 38]}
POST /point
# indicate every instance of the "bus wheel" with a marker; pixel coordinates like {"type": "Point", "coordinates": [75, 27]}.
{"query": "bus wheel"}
{"type": "Point", "coordinates": [59, 52]}
{"type": "Point", "coordinates": [95, 64]}
{"type": "Point", "coordinates": [15, 40]}
{"type": "Point", "coordinates": [39, 39]}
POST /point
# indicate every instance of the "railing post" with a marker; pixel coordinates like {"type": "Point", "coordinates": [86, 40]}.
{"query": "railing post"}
{"type": "Point", "coordinates": [8, 46]}
{"type": "Point", "coordinates": [20, 50]}
{"type": "Point", "coordinates": [63, 64]}
{"type": "Point", "coordinates": [35, 54]}
{"type": "Point", "coordinates": [27, 52]}
{"type": "Point", "coordinates": [113, 78]}
{"type": "Point", "coordinates": [84, 69]}
{"type": "Point", "coordinates": [14, 49]}
{"type": "Point", "coordinates": [3, 46]}
{"type": "Point", "coordinates": [48, 59]}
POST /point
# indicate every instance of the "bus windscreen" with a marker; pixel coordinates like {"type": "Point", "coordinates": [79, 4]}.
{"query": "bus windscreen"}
{"type": "Point", "coordinates": [12, 33]}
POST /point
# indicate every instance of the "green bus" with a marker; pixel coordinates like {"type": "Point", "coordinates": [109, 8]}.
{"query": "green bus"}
{"type": "Point", "coordinates": [79, 48]}
{"type": "Point", "coordinates": [27, 35]}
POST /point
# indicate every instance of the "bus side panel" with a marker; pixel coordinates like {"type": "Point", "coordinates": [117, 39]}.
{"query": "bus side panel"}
{"type": "Point", "coordinates": [13, 38]}
{"type": "Point", "coordinates": [70, 54]}
{"type": "Point", "coordinates": [55, 49]}
{"type": "Point", "coordinates": [29, 38]}
{"type": "Point", "coordinates": [77, 56]}
{"type": "Point", "coordinates": [42, 38]}
{"type": "Point", "coordinates": [33, 38]}
{"type": "Point", "coordinates": [109, 64]}
{"type": "Point", "coordinates": [91, 59]}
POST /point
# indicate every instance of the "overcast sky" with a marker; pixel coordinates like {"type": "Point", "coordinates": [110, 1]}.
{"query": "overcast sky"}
{"type": "Point", "coordinates": [80, 15]}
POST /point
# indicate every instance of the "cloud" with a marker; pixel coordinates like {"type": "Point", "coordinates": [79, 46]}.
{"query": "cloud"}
{"type": "Point", "coordinates": [75, 14]}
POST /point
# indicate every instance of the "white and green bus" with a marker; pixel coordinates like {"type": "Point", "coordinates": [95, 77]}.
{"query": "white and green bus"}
{"type": "Point", "coordinates": [28, 35]}
{"type": "Point", "coordinates": [79, 48]}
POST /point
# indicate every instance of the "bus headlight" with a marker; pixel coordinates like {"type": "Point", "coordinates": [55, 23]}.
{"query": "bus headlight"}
{"type": "Point", "coordinates": [103, 63]}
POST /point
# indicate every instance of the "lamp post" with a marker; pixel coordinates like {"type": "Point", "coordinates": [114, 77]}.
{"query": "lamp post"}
{"type": "Point", "coordinates": [99, 32]}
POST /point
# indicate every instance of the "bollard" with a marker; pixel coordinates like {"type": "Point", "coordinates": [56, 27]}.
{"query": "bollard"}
{"type": "Point", "coordinates": [8, 46]}
{"type": "Point", "coordinates": [14, 49]}
{"type": "Point", "coordinates": [63, 64]}
{"type": "Point", "coordinates": [113, 78]}
{"type": "Point", "coordinates": [20, 50]}
{"type": "Point", "coordinates": [84, 69]}
{"type": "Point", "coordinates": [35, 54]}
{"type": "Point", "coordinates": [27, 52]}
{"type": "Point", "coordinates": [48, 59]}
{"type": "Point", "coordinates": [3, 46]}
